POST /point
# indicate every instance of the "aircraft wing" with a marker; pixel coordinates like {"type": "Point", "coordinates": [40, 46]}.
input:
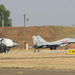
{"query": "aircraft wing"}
{"type": "Point", "coordinates": [63, 41]}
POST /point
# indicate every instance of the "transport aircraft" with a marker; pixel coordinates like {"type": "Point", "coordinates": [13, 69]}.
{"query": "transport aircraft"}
{"type": "Point", "coordinates": [41, 43]}
{"type": "Point", "coordinates": [6, 44]}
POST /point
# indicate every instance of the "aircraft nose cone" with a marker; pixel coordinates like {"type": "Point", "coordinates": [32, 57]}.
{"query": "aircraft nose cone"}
{"type": "Point", "coordinates": [15, 44]}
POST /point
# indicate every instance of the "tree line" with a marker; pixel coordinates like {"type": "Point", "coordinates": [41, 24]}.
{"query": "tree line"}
{"type": "Point", "coordinates": [4, 17]}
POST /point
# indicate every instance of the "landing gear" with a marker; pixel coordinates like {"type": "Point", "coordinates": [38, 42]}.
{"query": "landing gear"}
{"type": "Point", "coordinates": [6, 50]}
{"type": "Point", "coordinates": [53, 48]}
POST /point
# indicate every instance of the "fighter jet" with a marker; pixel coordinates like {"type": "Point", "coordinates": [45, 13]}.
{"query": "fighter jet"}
{"type": "Point", "coordinates": [41, 43]}
{"type": "Point", "coordinates": [6, 44]}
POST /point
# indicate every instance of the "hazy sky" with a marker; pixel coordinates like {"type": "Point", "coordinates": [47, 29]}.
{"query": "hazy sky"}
{"type": "Point", "coordinates": [41, 12]}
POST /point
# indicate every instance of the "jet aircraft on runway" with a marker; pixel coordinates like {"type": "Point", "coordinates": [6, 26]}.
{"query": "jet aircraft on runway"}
{"type": "Point", "coordinates": [41, 43]}
{"type": "Point", "coordinates": [6, 44]}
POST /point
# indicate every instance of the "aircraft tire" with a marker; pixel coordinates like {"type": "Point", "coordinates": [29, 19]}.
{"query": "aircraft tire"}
{"type": "Point", "coordinates": [51, 48]}
{"type": "Point", "coordinates": [54, 48]}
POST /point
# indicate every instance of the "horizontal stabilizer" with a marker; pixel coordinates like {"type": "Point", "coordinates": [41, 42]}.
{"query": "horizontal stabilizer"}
{"type": "Point", "coordinates": [30, 46]}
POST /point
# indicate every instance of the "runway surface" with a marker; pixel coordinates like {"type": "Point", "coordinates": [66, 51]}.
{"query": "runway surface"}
{"type": "Point", "coordinates": [35, 72]}
{"type": "Point", "coordinates": [64, 51]}
{"type": "Point", "coordinates": [52, 51]}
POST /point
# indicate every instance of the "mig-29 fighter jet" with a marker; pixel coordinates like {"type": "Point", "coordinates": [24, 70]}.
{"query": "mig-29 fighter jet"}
{"type": "Point", "coordinates": [6, 44]}
{"type": "Point", "coordinates": [41, 43]}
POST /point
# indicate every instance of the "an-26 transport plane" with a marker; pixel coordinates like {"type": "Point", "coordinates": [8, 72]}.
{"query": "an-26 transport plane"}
{"type": "Point", "coordinates": [41, 43]}
{"type": "Point", "coordinates": [6, 44]}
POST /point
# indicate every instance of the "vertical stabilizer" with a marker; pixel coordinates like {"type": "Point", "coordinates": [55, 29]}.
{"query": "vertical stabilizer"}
{"type": "Point", "coordinates": [41, 41]}
{"type": "Point", "coordinates": [34, 40]}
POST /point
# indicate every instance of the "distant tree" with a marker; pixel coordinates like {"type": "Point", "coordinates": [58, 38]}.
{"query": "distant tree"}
{"type": "Point", "coordinates": [5, 14]}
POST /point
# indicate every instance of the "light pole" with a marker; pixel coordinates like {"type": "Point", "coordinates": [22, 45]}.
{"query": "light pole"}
{"type": "Point", "coordinates": [24, 32]}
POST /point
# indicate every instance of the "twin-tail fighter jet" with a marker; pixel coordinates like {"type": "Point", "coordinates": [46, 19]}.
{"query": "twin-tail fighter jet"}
{"type": "Point", "coordinates": [6, 44]}
{"type": "Point", "coordinates": [41, 43]}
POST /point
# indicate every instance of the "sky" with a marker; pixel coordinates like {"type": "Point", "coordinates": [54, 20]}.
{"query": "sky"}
{"type": "Point", "coordinates": [41, 12]}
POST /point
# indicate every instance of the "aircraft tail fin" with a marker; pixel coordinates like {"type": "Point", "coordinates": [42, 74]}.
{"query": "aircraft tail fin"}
{"type": "Point", "coordinates": [34, 40]}
{"type": "Point", "coordinates": [41, 41]}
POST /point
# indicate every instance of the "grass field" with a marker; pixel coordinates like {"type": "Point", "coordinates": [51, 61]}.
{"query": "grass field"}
{"type": "Point", "coordinates": [37, 60]}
